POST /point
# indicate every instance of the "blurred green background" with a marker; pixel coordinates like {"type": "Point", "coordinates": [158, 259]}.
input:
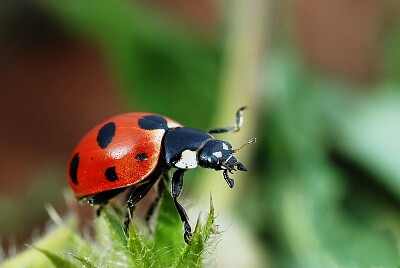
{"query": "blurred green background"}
{"type": "Point", "coordinates": [321, 80]}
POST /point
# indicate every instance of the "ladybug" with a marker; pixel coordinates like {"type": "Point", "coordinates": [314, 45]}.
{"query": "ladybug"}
{"type": "Point", "coordinates": [133, 151]}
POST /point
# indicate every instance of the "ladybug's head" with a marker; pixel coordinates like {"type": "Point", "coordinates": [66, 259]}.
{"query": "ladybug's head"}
{"type": "Point", "coordinates": [218, 155]}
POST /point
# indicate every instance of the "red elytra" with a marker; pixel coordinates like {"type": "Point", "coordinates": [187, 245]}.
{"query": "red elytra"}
{"type": "Point", "coordinates": [131, 156]}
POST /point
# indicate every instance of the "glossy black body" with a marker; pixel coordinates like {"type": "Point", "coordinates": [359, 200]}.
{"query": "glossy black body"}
{"type": "Point", "coordinates": [179, 139]}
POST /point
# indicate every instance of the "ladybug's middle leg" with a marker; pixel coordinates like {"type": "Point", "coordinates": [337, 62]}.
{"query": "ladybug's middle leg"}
{"type": "Point", "coordinates": [177, 184]}
{"type": "Point", "coordinates": [162, 184]}
{"type": "Point", "coordinates": [136, 193]}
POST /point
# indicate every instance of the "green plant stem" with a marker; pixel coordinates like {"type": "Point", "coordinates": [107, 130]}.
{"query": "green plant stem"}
{"type": "Point", "coordinates": [247, 31]}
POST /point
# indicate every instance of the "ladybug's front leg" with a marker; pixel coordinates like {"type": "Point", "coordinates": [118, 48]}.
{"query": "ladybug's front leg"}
{"type": "Point", "coordinates": [177, 185]}
{"type": "Point", "coordinates": [235, 128]}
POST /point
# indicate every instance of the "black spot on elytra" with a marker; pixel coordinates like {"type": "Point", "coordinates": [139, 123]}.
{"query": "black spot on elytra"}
{"type": "Point", "coordinates": [110, 174]}
{"type": "Point", "coordinates": [141, 157]}
{"type": "Point", "coordinates": [73, 168]}
{"type": "Point", "coordinates": [150, 122]}
{"type": "Point", "coordinates": [106, 134]}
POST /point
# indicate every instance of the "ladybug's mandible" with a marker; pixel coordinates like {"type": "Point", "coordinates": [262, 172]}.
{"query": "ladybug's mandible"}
{"type": "Point", "coordinates": [133, 150]}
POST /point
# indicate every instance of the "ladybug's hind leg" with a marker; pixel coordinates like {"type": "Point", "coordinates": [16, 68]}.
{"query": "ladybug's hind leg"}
{"type": "Point", "coordinates": [177, 184]}
{"type": "Point", "coordinates": [102, 198]}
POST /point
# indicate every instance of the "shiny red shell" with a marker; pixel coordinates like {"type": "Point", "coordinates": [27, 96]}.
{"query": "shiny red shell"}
{"type": "Point", "coordinates": [132, 154]}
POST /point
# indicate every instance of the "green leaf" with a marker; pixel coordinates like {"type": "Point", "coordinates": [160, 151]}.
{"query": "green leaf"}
{"type": "Point", "coordinates": [114, 224]}
{"type": "Point", "coordinates": [168, 233]}
{"type": "Point", "coordinates": [142, 255]}
{"type": "Point", "coordinates": [112, 248]}
{"type": "Point", "coordinates": [84, 261]}
{"type": "Point", "coordinates": [57, 260]}
{"type": "Point", "coordinates": [209, 227]}
{"type": "Point", "coordinates": [192, 254]}
{"type": "Point", "coordinates": [63, 237]}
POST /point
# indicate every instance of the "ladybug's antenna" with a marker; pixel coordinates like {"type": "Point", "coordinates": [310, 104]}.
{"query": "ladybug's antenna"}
{"type": "Point", "coordinates": [251, 141]}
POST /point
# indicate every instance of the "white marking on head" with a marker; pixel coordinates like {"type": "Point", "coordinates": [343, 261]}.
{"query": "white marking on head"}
{"type": "Point", "coordinates": [217, 154]}
{"type": "Point", "coordinates": [172, 125]}
{"type": "Point", "coordinates": [188, 160]}
{"type": "Point", "coordinates": [225, 146]}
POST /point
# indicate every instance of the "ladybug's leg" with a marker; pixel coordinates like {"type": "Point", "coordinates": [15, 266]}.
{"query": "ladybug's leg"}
{"type": "Point", "coordinates": [135, 195]}
{"type": "Point", "coordinates": [235, 128]}
{"type": "Point", "coordinates": [177, 184]}
{"type": "Point", "coordinates": [160, 191]}
{"type": "Point", "coordinates": [102, 198]}
{"type": "Point", "coordinates": [228, 180]}
{"type": "Point", "coordinates": [98, 210]}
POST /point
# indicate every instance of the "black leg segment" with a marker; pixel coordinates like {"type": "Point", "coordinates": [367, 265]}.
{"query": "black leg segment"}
{"type": "Point", "coordinates": [162, 184]}
{"type": "Point", "coordinates": [103, 197]}
{"type": "Point", "coordinates": [136, 193]}
{"type": "Point", "coordinates": [235, 128]}
{"type": "Point", "coordinates": [177, 184]}
{"type": "Point", "coordinates": [228, 180]}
